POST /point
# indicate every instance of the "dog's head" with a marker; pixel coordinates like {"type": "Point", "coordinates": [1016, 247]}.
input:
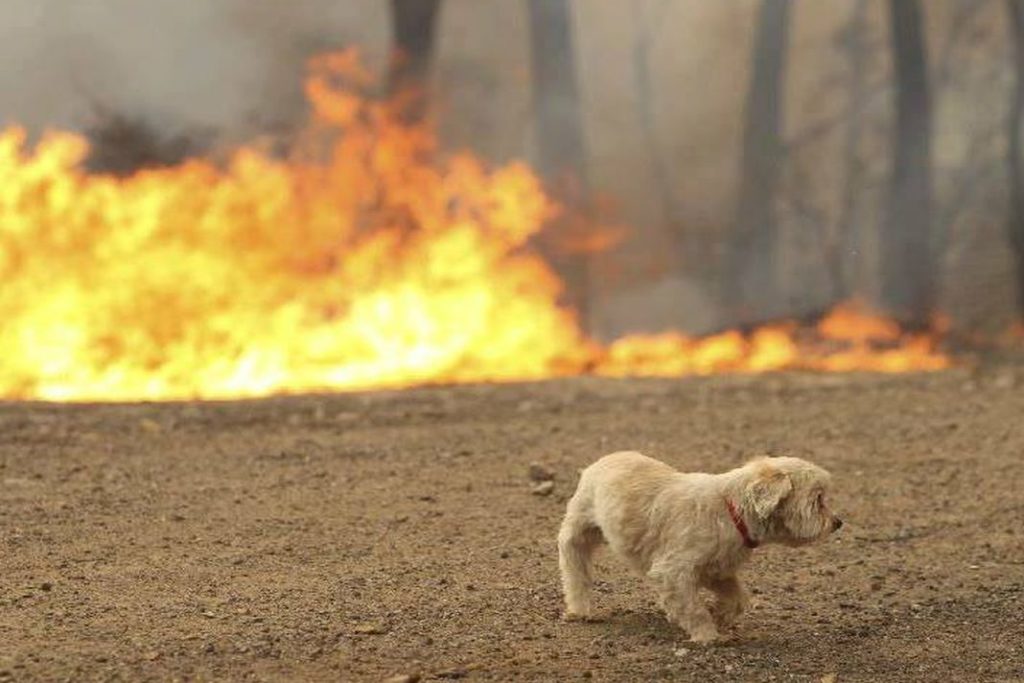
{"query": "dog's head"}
{"type": "Point", "coordinates": [789, 500]}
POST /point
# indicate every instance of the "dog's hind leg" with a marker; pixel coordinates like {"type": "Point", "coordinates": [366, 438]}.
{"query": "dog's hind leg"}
{"type": "Point", "coordinates": [577, 540]}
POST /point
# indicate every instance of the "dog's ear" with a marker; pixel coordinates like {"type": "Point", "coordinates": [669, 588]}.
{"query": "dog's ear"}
{"type": "Point", "coordinates": [766, 489]}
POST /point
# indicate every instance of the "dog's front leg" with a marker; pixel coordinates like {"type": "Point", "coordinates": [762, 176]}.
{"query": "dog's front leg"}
{"type": "Point", "coordinates": [730, 601]}
{"type": "Point", "coordinates": [677, 593]}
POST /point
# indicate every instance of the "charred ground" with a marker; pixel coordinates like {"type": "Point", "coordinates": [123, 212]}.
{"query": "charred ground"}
{"type": "Point", "coordinates": [363, 536]}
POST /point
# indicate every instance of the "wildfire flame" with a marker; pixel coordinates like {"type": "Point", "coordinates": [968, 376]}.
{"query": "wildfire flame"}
{"type": "Point", "coordinates": [370, 265]}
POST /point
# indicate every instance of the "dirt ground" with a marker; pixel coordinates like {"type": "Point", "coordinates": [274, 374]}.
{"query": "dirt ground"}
{"type": "Point", "coordinates": [360, 537]}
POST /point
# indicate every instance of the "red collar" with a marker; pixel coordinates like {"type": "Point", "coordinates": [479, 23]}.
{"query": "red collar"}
{"type": "Point", "coordinates": [741, 526]}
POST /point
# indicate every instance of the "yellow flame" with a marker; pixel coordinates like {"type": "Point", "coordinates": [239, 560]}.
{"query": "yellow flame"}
{"type": "Point", "coordinates": [369, 265]}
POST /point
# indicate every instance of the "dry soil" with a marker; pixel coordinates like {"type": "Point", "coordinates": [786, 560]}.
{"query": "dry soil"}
{"type": "Point", "coordinates": [364, 536]}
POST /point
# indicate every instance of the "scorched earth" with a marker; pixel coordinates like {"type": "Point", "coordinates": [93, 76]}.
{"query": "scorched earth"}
{"type": "Point", "coordinates": [364, 536]}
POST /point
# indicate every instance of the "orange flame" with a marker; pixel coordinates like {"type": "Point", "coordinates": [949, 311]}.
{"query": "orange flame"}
{"type": "Point", "coordinates": [371, 266]}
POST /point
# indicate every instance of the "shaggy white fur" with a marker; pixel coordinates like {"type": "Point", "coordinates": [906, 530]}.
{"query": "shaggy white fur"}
{"type": "Point", "coordinates": [687, 531]}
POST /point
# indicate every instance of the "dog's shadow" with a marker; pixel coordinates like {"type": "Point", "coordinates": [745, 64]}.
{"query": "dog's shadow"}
{"type": "Point", "coordinates": [650, 626]}
{"type": "Point", "coordinates": [646, 624]}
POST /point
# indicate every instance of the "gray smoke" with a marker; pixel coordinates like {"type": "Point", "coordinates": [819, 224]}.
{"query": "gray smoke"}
{"type": "Point", "coordinates": [663, 86]}
{"type": "Point", "coordinates": [230, 65]}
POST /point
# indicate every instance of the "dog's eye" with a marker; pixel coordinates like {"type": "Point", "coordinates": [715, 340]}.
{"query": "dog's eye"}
{"type": "Point", "coordinates": [821, 500]}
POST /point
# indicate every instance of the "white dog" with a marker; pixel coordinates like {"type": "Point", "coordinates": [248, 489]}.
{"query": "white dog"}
{"type": "Point", "coordinates": [687, 531]}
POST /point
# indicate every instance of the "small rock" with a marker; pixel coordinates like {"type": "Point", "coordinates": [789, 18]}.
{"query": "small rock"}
{"type": "Point", "coordinates": [403, 678]}
{"type": "Point", "coordinates": [1005, 380]}
{"type": "Point", "coordinates": [46, 586]}
{"type": "Point", "coordinates": [539, 472]}
{"type": "Point", "coordinates": [681, 652]}
{"type": "Point", "coordinates": [371, 629]}
{"type": "Point", "coordinates": [457, 672]}
{"type": "Point", "coordinates": [828, 678]}
{"type": "Point", "coordinates": [544, 488]}
{"type": "Point", "coordinates": [151, 656]}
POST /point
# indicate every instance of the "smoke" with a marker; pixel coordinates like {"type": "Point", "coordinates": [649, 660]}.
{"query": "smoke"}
{"type": "Point", "coordinates": [662, 83]}
{"type": "Point", "coordinates": [232, 66]}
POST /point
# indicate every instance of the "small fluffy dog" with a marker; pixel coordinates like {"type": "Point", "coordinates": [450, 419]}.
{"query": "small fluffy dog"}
{"type": "Point", "coordinates": [686, 531]}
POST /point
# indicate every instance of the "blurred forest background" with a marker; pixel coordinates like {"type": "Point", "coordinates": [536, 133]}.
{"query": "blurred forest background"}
{"type": "Point", "coordinates": [763, 158]}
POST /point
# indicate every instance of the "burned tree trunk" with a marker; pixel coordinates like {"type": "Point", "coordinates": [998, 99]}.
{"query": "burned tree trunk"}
{"type": "Point", "coordinates": [556, 103]}
{"type": "Point", "coordinates": [559, 151]}
{"type": "Point", "coordinates": [842, 261]}
{"type": "Point", "coordinates": [908, 287]}
{"type": "Point", "coordinates": [1015, 9]}
{"type": "Point", "coordinates": [645, 94]}
{"type": "Point", "coordinates": [751, 272]}
{"type": "Point", "coordinates": [413, 27]}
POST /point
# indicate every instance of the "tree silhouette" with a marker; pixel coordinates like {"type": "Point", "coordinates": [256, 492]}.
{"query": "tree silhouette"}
{"type": "Point", "coordinates": [1015, 10]}
{"type": "Point", "coordinates": [413, 26]}
{"type": "Point", "coordinates": [559, 150]}
{"type": "Point", "coordinates": [908, 287]}
{"type": "Point", "coordinates": [751, 269]}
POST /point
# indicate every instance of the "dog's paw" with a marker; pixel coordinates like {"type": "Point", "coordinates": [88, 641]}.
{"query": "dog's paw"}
{"type": "Point", "coordinates": [705, 635]}
{"type": "Point", "coordinates": [579, 616]}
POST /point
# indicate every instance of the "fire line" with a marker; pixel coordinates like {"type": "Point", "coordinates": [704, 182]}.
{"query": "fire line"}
{"type": "Point", "coordinates": [370, 264]}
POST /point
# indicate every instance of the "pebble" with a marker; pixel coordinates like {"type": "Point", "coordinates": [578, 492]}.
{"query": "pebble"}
{"type": "Point", "coordinates": [544, 488]}
{"type": "Point", "coordinates": [539, 472]}
{"type": "Point", "coordinates": [457, 672]}
{"type": "Point", "coordinates": [1005, 380]}
{"type": "Point", "coordinates": [370, 629]}
{"type": "Point", "coordinates": [403, 678]}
